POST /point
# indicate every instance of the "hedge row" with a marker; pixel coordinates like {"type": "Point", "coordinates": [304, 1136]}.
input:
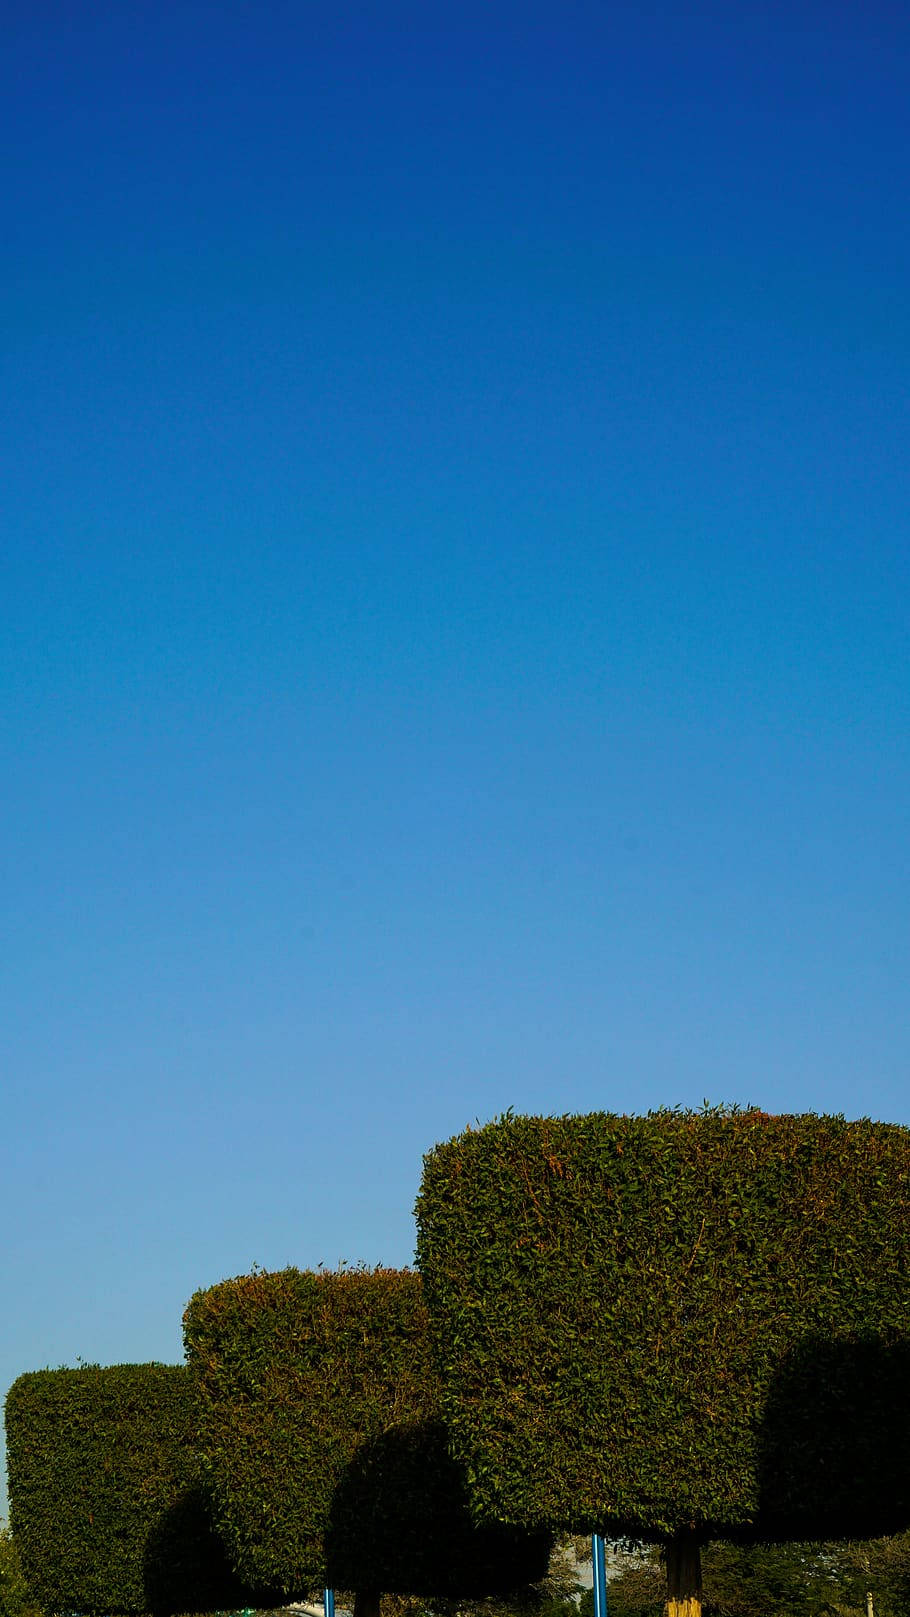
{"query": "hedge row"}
{"type": "Point", "coordinates": [106, 1504]}
{"type": "Point", "coordinates": [649, 1322]}
{"type": "Point", "coordinates": [319, 1426]}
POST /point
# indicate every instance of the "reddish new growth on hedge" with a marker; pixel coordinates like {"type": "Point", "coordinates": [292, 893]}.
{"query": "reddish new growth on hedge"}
{"type": "Point", "coordinates": [319, 1423]}
{"type": "Point", "coordinates": [651, 1322]}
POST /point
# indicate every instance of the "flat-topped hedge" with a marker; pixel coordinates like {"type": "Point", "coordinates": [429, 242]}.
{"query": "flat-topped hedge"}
{"type": "Point", "coordinates": [675, 1322]}
{"type": "Point", "coordinates": [107, 1508]}
{"type": "Point", "coordinates": [319, 1425]}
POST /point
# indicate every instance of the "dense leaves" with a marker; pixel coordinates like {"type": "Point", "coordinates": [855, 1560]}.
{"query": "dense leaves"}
{"type": "Point", "coordinates": [15, 1596]}
{"type": "Point", "coordinates": [106, 1503]}
{"type": "Point", "coordinates": [793, 1580]}
{"type": "Point", "coordinates": [319, 1425]}
{"type": "Point", "coordinates": [773, 1580]}
{"type": "Point", "coordinates": [645, 1322]}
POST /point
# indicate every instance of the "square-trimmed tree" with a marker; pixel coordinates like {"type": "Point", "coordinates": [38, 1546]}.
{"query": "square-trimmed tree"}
{"type": "Point", "coordinates": [320, 1430]}
{"type": "Point", "coordinates": [107, 1508]}
{"type": "Point", "coordinates": [679, 1327]}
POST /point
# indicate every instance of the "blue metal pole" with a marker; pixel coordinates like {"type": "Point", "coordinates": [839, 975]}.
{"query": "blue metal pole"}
{"type": "Point", "coordinates": [328, 1601]}
{"type": "Point", "coordinates": [599, 1562]}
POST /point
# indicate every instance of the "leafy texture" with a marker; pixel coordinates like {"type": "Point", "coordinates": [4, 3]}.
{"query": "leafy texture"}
{"type": "Point", "coordinates": [15, 1596]}
{"type": "Point", "coordinates": [786, 1580]}
{"type": "Point", "coordinates": [106, 1505]}
{"type": "Point", "coordinates": [319, 1424]}
{"type": "Point", "coordinates": [651, 1322]}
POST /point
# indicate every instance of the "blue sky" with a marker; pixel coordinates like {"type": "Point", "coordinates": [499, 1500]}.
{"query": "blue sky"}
{"type": "Point", "coordinates": [455, 587]}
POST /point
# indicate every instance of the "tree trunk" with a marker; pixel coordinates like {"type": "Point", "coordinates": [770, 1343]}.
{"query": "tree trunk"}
{"type": "Point", "coordinates": [366, 1603]}
{"type": "Point", "coordinates": [684, 1574]}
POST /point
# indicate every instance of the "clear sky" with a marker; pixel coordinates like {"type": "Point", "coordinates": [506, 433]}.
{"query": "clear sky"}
{"type": "Point", "coordinates": [454, 599]}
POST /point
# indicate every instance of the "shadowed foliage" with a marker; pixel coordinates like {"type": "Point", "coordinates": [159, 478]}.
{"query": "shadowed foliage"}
{"type": "Point", "coordinates": [685, 1322]}
{"type": "Point", "coordinates": [834, 1448]}
{"type": "Point", "coordinates": [401, 1508]}
{"type": "Point", "coordinates": [319, 1424]}
{"type": "Point", "coordinates": [106, 1505]}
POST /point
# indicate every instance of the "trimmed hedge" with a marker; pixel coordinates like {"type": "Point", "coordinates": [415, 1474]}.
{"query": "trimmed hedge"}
{"type": "Point", "coordinates": [319, 1424]}
{"type": "Point", "coordinates": [647, 1323]}
{"type": "Point", "coordinates": [106, 1505]}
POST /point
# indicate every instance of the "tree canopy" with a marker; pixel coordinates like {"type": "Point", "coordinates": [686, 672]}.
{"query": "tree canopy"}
{"type": "Point", "coordinates": [685, 1322]}
{"type": "Point", "coordinates": [107, 1507]}
{"type": "Point", "coordinates": [320, 1428]}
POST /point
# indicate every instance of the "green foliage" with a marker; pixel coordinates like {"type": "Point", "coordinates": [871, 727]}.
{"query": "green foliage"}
{"type": "Point", "coordinates": [15, 1596]}
{"type": "Point", "coordinates": [879, 1568]}
{"type": "Point", "coordinates": [794, 1580]}
{"type": "Point", "coordinates": [738, 1581]}
{"type": "Point", "coordinates": [319, 1425]}
{"type": "Point", "coordinates": [638, 1588]}
{"type": "Point", "coordinates": [645, 1322]}
{"type": "Point", "coordinates": [106, 1504]}
{"type": "Point", "coordinates": [775, 1580]}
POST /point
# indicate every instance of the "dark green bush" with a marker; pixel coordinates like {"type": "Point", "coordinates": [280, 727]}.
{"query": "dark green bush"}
{"type": "Point", "coordinates": [319, 1423]}
{"type": "Point", "coordinates": [651, 1322]}
{"type": "Point", "coordinates": [106, 1504]}
{"type": "Point", "coordinates": [16, 1599]}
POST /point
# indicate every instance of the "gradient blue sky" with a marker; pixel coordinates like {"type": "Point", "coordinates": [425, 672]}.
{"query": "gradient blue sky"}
{"type": "Point", "coordinates": [455, 585]}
